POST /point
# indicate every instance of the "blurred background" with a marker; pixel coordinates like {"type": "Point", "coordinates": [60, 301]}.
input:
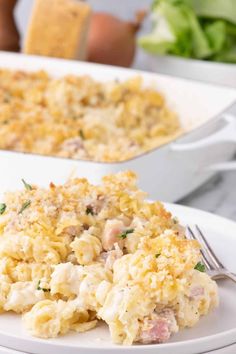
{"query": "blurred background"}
{"type": "Point", "coordinates": [213, 40]}
{"type": "Point", "coordinates": [124, 9]}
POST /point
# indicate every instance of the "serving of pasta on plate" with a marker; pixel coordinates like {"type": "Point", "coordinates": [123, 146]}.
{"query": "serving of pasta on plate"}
{"type": "Point", "coordinates": [75, 254]}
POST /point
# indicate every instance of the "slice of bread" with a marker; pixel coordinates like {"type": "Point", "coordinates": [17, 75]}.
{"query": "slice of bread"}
{"type": "Point", "coordinates": [58, 28]}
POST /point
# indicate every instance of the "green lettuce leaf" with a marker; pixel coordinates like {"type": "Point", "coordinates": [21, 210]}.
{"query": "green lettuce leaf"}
{"type": "Point", "coordinates": [201, 29]}
{"type": "Point", "coordinates": [228, 56]}
{"type": "Point", "coordinates": [215, 9]}
{"type": "Point", "coordinates": [176, 30]}
{"type": "Point", "coordinates": [216, 34]}
{"type": "Point", "coordinates": [170, 30]}
{"type": "Point", "coordinates": [200, 45]}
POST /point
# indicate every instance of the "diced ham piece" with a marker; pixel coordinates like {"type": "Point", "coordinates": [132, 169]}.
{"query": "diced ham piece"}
{"type": "Point", "coordinates": [113, 228]}
{"type": "Point", "coordinates": [159, 332]}
{"type": "Point", "coordinates": [158, 329]}
{"type": "Point", "coordinates": [196, 292]}
{"type": "Point", "coordinates": [169, 314]}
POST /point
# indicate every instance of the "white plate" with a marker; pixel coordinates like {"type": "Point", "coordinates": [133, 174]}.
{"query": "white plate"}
{"type": "Point", "coordinates": [231, 349]}
{"type": "Point", "coordinates": [214, 331]}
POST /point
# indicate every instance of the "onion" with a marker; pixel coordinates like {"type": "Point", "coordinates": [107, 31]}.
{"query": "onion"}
{"type": "Point", "coordinates": [111, 40]}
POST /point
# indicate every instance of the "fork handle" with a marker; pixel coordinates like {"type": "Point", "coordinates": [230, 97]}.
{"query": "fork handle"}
{"type": "Point", "coordinates": [222, 274]}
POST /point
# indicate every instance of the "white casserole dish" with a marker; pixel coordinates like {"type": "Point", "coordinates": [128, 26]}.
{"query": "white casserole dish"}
{"type": "Point", "coordinates": [167, 173]}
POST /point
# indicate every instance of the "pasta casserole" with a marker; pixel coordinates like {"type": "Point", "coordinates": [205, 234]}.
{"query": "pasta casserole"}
{"type": "Point", "coordinates": [80, 118]}
{"type": "Point", "coordinates": [75, 254]}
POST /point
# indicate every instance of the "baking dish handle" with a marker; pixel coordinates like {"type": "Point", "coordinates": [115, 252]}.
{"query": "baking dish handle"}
{"type": "Point", "coordinates": [223, 167]}
{"type": "Point", "coordinates": [223, 135]}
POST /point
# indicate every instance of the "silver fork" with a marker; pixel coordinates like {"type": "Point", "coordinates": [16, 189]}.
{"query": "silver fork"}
{"type": "Point", "coordinates": [214, 267]}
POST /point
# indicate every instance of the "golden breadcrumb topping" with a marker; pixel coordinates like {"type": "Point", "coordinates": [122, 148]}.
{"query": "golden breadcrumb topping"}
{"type": "Point", "coordinates": [73, 254]}
{"type": "Point", "coordinates": [78, 117]}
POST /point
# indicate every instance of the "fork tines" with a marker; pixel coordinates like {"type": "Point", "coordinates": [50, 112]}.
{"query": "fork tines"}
{"type": "Point", "coordinates": [210, 259]}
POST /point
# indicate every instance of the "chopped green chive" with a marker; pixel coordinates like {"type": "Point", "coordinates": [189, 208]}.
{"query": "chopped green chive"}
{"type": "Point", "coordinates": [2, 208]}
{"type": "Point", "coordinates": [43, 289]}
{"type": "Point", "coordinates": [125, 233]}
{"type": "Point", "coordinates": [24, 206]}
{"type": "Point", "coordinates": [200, 267]}
{"type": "Point", "coordinates": [27, 186]}
{"type": "Point", "coordinates": [89, 210]}
{"type": "Point", "coordinates": [157, 255]}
